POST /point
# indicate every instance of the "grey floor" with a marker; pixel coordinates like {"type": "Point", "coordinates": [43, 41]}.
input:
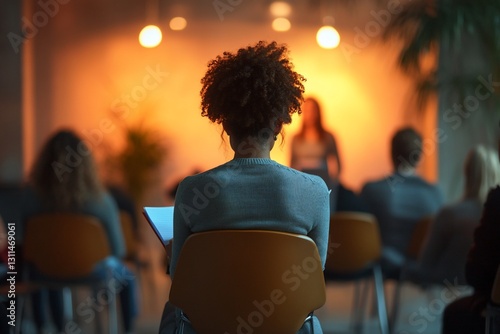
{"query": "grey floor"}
{"type": "Point", "coordinates": [419, 311]}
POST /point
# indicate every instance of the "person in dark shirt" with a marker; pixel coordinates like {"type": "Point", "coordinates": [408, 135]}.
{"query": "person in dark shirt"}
{"type": "Point", "coordinates": [466, 315]}
{"type": "Point", "coordinates": [348, 200]}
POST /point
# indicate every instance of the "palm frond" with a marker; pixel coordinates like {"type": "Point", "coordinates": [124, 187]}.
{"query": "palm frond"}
{"type": "Point", "coordinates": [423, 25]}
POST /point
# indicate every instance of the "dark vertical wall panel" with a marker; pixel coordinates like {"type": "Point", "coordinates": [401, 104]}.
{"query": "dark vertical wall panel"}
{"type": "Point", "coordinates": [11, 156]}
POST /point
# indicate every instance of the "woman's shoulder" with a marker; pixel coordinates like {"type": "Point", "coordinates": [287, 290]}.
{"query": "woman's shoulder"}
{"type": "Point", "coordinates": [329, 137]}
{"type": "Point", "coordinates": [99, 203]}
{"type": "Point", "coordinates": [235, 169]}
{"type": "Point", "coordinates": [304, 178]}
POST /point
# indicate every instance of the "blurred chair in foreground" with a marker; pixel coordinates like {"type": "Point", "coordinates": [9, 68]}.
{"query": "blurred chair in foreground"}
{"type": "Point", "coordinates": [353, 255]}
{"type": "Point", "coordinates": [224, 284]}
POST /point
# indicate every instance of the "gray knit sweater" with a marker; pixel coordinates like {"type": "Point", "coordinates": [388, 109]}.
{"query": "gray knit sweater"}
{"type": "Point", "coordinates": [252, 193]}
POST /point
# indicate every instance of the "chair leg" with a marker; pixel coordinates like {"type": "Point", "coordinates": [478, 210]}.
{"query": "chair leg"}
{"type": "Point", "coordinates": [112, 315]}
{"type": "Point", "coordinates": [68, 304]}
{"type": "Point", "coordinates": [98, 319]}
{"type": "Point", "coordinates": [360, 297]}
{"type": "Point", "coordinates": [380, 297]}
{"type": "Point", "coordinates": [355, 307]}
{"type": "Point", "coordinates": [395, 306]}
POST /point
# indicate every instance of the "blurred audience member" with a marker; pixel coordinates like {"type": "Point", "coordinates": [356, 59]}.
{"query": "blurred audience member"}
{"type": "Point", "coordinates": [400, 200]}
{"type": "Point", "coordinates": [64, 179]}
{"type": "Point", "coordinates": [348, 200]}
{"type": "Point", "coordinates": [466, 315]}
{"type": "Point", "coordinates": [450, 237]}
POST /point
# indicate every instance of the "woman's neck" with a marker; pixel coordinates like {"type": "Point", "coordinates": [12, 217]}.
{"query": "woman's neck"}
{"type": "Point", "coordinates": [251, 147]}
{"type": "Point", "coordinates": [406, 171]}
{"type": "Point", "coordinates": [261, 155]}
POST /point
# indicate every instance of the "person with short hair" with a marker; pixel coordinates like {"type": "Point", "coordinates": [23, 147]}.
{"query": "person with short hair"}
{"type": "Point", "coordinates": [400, 200]}
{"type": "Point", "coordinates": [252, 93]}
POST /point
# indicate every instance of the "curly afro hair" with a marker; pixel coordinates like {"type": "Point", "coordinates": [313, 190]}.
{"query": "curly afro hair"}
{"type": "Point", "coordinates": [251, 90]}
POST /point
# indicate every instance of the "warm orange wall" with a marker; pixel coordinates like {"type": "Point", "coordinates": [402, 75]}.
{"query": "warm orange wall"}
{"type": "Point", "coordinates": [363, 97]}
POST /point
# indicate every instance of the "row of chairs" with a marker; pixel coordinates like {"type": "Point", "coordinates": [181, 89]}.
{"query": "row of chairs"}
{"type": "Point", "coordinates": [272, 296]}
{"type": "Point", "coordinates": [278, 283]}
{"type": "Point", "coordinates": [82, 253]}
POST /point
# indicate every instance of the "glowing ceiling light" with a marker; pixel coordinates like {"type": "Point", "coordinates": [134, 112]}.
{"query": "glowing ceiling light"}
{"type": "Point", "coordinates": [280, 9]}
{"type": "Point", "coordinates": [328, 37]}
{"type": "Point", "coordinates": [281, 24]}
{"type": "Point", "coordinates": [150, 36]}
{"type": "Point", "coordinates": [178, 23]}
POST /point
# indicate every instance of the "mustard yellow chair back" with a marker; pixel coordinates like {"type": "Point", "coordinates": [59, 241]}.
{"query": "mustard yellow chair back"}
{"type": "Point", "coordinates": [418, 237]}
{"type": "Point", "coordinates": [65, 245]}
{"type": "Point", "coordinates": [248, 281]}
{"type": "Point", "coordinates": [354, 242]}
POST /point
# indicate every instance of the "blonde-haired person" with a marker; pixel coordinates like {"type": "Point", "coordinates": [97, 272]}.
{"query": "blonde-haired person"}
{"type": "Point", "coordinates": [444, 254]}
{"type": "Point", "coordinates": [466, 314]}
{"type": "Point", "coordinates": [64, 178]}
